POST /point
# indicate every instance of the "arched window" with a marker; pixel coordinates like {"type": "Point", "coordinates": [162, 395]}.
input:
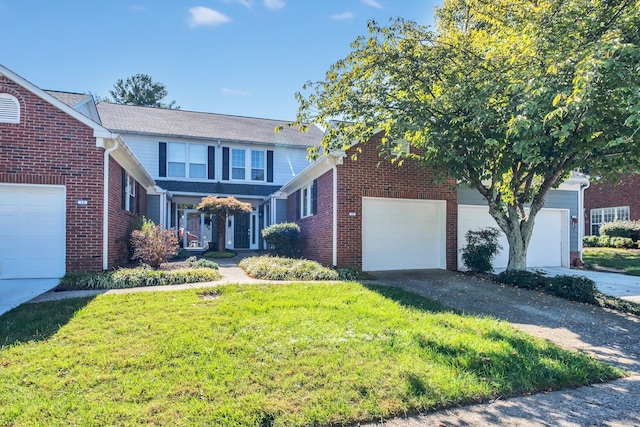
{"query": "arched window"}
{"type": "Point", "coordinates": [9, 109]}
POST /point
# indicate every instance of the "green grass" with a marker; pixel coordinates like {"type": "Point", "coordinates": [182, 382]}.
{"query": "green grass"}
{"type": "Point", "coordinates": [218, 255]}
{"type": "Point", "coordinates": [297, 354]}
{"type": "Point", "coordinates": [621, 259]}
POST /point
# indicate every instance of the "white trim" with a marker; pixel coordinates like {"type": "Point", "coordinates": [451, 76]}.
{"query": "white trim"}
{"type": "Point", "coordinates": [105, 205]}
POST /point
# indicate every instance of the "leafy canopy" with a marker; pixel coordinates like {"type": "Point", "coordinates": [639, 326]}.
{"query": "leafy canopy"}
{"type": "Point", "coordinates": [508, 96]}
{"type": "Point", "coordinates": [214, 205]}
{"type": "Point", "coordinates": [141, 90]}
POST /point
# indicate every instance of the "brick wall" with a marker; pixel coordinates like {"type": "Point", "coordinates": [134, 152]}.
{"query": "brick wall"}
{"type": "Point", "coordinates": [625, 192]}
{"type": "Point", "coordinates": [51, 147]}
{"type": "Point", "coordinates": [119, 218]}
{"type": "Point", "coordinates": [368, 176]}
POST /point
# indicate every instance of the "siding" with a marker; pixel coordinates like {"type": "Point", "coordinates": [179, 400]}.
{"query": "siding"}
{"type": "Point", "coordinates": [556, 199]}
{"type": "Point", "coordinates": [153, 208]}
{"type": "Point", "coordinates": [281, 210]}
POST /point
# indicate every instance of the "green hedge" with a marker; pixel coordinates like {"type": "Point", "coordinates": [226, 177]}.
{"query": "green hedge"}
{"type": "Point", "coordinates": [606, 241]}
{"type": "Point", "coordinates": [574, 288]}
{"type": "Point", "coordinates": [628, 229]}
{"type": "Point", "coordinates": [137, 277]}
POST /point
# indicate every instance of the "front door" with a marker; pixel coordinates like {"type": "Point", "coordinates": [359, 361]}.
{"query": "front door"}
{"type": "Point", "coordinates": [241, 230]}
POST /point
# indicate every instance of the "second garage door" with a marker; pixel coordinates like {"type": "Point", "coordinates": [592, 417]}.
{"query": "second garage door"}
{"type": "Point", "coordinates": [403, 234]}
{"type": "Point", "coordinates": [32, 231]}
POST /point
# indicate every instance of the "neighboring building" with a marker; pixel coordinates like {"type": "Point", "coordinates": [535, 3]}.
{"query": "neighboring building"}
{"type": "Point", "coordinates": [192, 154]}
{"type": "Point", "coordinates": [68, 186]}
{"type": "Point", "coordinates": [607, 202]}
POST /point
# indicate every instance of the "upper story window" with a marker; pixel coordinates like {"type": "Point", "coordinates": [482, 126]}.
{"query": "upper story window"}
{"type": "Point", "coordinates": [187, 160]}
{"type": "Point", "coordinates": [237, 164]}
{"type": "Point", "coordinates": [257, 165]}
{"type": "Point", "coordinates": [604, 215]}
{"type": "Point", "coordinates": [197, 161]}
{"type": "Point", "coordinates": [176, 159]}
{"type": "Point", "coordinates": [9, 109]}
{"type": "Point", "coordinates": [243, 164]}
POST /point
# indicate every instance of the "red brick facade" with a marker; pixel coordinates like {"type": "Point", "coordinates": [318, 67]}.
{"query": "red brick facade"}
{"type": "Point", "coordinates": [369, 177]}
{"type": "Point", "coordinates": [50, 147]}
{"type": "Point", "coordinates": [626, 192]}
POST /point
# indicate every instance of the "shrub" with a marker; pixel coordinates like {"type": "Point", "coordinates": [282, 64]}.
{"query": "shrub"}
{"type": "Point", "coordinates": [219, 255]}
{"type": "Point", "coordinates": [522, 279]}
{"type": "Point", "coordinates": [482, 247]}
{"type": "Point", "coordinates": [622, 242]}
{"type": "Point", "coordinates": [574, 288]}
{"type": "Point", "coordinates": [629, 229]}
{"type": "Point", "coordinates": [276, 268]}
{"type": "Point", "coordinates": [282, 238]}
{"type": "Point", "coordinates": [152, 245]}
{"type": "Point", "coordinates": [84, 280]}
{"type": "Point", "coordinates": [194, 262]}
{"type": "Point", "coordinates": [590, 241]}
{"type": "Point", "coordinates": [604, 241]}
{"type": "Point", "coordinates": [349, 274]}
{"type": "Point", "coordinates": [137, 277]}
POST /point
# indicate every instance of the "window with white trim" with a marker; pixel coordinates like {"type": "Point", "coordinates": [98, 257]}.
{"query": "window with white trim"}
{"type": "Point", "coordinates": [257, 166]}
{"type": "Point", "coordinates": [176, 159]}
{"type": "Point", "coordinates": [9, 109]}
{"type": "Point", "coordinates": [129, 193]}
{"type": "Point", "coordinates": [187, 160]}
{"type": "Point", "coordinates": [197, 161]}
{"type": "Point", "coordinates": [237, 163]}
{"type": "Point", "coordinates": [308, 200]}
{"type": "Point", "coordinates": [604, 215]}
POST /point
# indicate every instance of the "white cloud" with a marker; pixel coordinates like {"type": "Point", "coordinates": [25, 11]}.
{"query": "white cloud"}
{"type": "Point", "coordinates": [246, 3]}
{"type": "Point", "coordinates": [274, 4]}
{"type": "Point", "coordinates": [235, 92]}
{"type": "Point", "coordinates": [372, 3]}
{"type": "Point", "coordinates": [204, 16]}
{"type": "Point", "coordinates": [342, 16]}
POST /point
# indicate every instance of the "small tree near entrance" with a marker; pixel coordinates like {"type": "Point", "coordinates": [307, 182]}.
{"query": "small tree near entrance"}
{"type": "Point", "coordinates": [222, 207]}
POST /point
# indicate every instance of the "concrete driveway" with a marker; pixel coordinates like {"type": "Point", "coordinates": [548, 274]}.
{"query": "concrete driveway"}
{"type": "Point", "coordinates": [614, 284]}
{"type": "Point", "coordinates": [14, 292]}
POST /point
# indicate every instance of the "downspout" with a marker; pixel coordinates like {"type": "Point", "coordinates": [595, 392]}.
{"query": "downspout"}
{"type": "Point", "coordinates": [581, 222]}
{"type": "Point", "coordinates": [105, 205]}
{"type": "Point", "coordinates": [335, 213]}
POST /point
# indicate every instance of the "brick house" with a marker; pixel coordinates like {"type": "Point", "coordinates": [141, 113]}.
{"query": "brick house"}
{"type": "Point", "coordinates": [611, 201]}
{"type": "Point", "coordinates": [68, 186]}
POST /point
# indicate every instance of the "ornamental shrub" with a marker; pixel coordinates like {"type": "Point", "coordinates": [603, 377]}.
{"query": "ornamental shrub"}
{"type": "Point", "coordinates": [590, 241]}
{"type": "Point", "coordinates": [629, 229]}
{"type": "Point", "coordinates": [153, 245]}
{"type": "Point", "coordinates": [604, 241]}
{"type": "Point", "coordinates": [622, 242]}
{"type": "Point", "coordinates": [574, 288]}
{"type": "Point", "coordinates": [482, 247]}
{"type": "Point", "coordinates": [282, 238]}
{"type": "Point", "coordinates": [522, 279]}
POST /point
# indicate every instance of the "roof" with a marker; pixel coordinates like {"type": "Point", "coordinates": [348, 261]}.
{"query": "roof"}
{"type": "Point", "coordinates": [217, 188]}
{"type": "Point", "coordinates": [71, 99]}
{"type": "Point", "coordinates": [190, 124]}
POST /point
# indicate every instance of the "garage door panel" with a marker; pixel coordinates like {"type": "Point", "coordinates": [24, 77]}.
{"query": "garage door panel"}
{"type": "Point", "coordinates": [32, 231]}
{"type": "Point", "coordinates": [402, 234]}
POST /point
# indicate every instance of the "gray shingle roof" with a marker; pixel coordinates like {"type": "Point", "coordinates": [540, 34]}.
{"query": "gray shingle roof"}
{"type": "Point", "coordinates": [71, 99]}
{"type": "Point", "coordinates": [217, 188]}
{"type": "Point", "coordinates": [190, 124]}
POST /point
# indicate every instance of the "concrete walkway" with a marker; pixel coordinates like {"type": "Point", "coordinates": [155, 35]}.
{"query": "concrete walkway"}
{"type": "Point", "coordinates": [606, 335]}
{"type": "Point", "coordinates": [614, 284]}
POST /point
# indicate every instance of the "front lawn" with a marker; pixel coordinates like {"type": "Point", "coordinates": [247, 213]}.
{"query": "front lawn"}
{"type": "Point", "coordinates": [296, 354]}
{"type": "Point", "coordinates": [621, 259]}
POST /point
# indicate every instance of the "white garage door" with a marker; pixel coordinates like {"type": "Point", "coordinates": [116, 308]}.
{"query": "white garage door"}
{"type": "Point", "coordinates": [402, 234]}
{"type": "Point", "coordinates": [549, 245]}
{"type": "Point", "coordinates": [32, 231]}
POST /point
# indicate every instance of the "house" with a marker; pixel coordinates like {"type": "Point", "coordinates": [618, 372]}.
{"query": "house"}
{"type": "Point", "coordinates": [69, 187]}
{"type": "Point", "coordinates": [375, 215]}
{"type": "Point", "coordinates": [612, 201]}
{"type": "Point", "coordinates": [191, 154]}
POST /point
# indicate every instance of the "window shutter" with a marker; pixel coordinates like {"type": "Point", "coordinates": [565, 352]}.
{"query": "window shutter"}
{"type": "Point", "coordinates": [225, 163]}
{"type": "Point", "coordinates": [124, 189]}
{"type": "Point", "coordinates": [269, 165]}
{"type": "Point", "coordinates": [211, 166]}
{"type": "Point", "coordinates": [138, 196]}
{"type": "Point", "coordinates": [162, 160]}
{"type": "Point", "coordinates": [314, 197]}
{"type": "Point", "coordinates": [298, 204]}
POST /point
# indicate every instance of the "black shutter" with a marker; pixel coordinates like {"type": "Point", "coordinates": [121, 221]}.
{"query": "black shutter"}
{"type": "Point", "coordinates": [298, 204]}
{"type": "Point", "coordinates": [162, 160]}
{"type": "Point", "coordinates": [138, 196]}
{"type": "Point", "coordinates": [314, 197]}
{"type": "Point", "coordinates": [269, 165]}
{"type": "Point", "coordinates": [211, 166]}
{"type": "Point", "coordinates": [124, 189]}
{"type": "Point", "coordinates": [225, 163]}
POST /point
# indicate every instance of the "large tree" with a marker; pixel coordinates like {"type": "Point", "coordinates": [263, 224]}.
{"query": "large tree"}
{"type": "Point", "coordinates": [508, 96]}
{"type": "Point", "coordinates": [141, 90]}
{"type": "Point", "coordinates": [222, 207]}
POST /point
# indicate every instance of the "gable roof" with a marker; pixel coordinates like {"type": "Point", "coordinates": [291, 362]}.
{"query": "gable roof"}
{"type": "Point", "coordinates": [71, 99]}
{"type": "Point", "coordinates": [210, 126]}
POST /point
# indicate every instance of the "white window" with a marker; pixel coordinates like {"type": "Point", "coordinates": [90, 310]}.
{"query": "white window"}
{"type": "Point", "coordinates": [307, 202]}
{"type": "Point", "coordinates": [187, 160]}
{"type": "Point", "coordinates": [129, 193]}
{"type": "Point", "coordinates": [257, 166]}
{"type": "Point", "coordinates": [176, 159]}
{"type": "Point", "coordinates": [9, 109]}
{"type": "Point", "coordinates": [237, 164]}
{"type": "Point", "coordinates": [604, 215]}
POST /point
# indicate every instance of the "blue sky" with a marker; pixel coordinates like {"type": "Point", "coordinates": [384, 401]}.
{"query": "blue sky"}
{"type": "Point", "coordinates": [240, 57]}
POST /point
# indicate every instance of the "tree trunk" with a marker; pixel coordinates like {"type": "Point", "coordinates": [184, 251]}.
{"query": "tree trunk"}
{"type": "Point", "coordinates": [220, 231]}
{"type": "Point", "coordinates": [518, 230]}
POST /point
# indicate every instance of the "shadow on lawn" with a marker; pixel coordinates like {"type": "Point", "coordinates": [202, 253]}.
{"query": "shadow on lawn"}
{"type": "Point", "coordinates": [38, 321]}
{"type": "Point", "coordinates": [409, 299]}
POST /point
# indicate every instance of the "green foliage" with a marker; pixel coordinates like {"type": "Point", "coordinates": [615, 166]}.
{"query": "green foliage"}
{"type": "Point", "coordinates": [508, 96]}
{"type": "Point", "coordinates": [613, 258]}
{"type": "Point", "coordinates": [137, 277]}
{"type": "Point", "coordinates": [590, 241]}
{"type": "Point", "coordinates": [276, 268]}
{"type": "Point", "coordinates": [153, 245]}
{"type": "Point", "coordinates": [628, 229]}
{"type": "Point", "coordinates": [522, 279]}
{"type": "Point", "coordinates": [482, 247]}
{"type": "Point", "coordinates": [350, 274]}
{"type": "Point", "coordinates": [194, 262]}
{"type": "Point", "coordinates": [623, 242]}
{"type": "Point", "coordinates": [140, 89]}
{"type": "Point", "coordinates": [604, 241]}
{"type": "Point", "coordinates": [282, 238]}
{"type": "Point", "coordinates": [84, 280]}
{"type": "Point", "coordinates": [573, 288]}
{"type": "Point", "coordinates": [219, 255]}
{"type": "Point", "coordinates": [221, 207]}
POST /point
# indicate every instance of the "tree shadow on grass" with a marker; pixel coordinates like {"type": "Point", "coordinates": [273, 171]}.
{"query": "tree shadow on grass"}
{"type": "Point", "coordinates": [409, 299]}
{"type": "Point", "coordinates": [38, 321]}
